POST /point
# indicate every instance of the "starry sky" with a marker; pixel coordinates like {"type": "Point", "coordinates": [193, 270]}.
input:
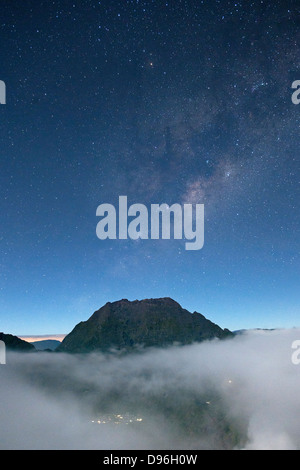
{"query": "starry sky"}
{"type": "Point", "coordinates": [166, 102]}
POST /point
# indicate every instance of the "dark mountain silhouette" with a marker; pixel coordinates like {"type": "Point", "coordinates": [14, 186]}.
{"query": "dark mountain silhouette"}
{"type": "Point", "coordinates": [125, 325]}
{"type": "Point", "coordinates": [13, 343]}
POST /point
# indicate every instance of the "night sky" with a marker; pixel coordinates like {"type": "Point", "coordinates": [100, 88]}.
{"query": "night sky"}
{"type": "Point", "coordinates": [165, 102]}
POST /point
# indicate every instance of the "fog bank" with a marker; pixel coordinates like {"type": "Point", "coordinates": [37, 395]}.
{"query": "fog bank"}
{"type": "Point", "coordinates": [241, 393]}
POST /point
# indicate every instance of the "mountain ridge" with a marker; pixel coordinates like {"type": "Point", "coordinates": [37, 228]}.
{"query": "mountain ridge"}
{"type": "Point", "coordinates": [126, 325]}
{"type": "Point", "coordinates": [14, 343]}
{"type": "Point", "coordinates": [43, 344]}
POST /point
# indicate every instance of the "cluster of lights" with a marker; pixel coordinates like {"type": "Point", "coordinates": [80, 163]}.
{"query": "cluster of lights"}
{"type": "Point", "coordinates": [118, 419]}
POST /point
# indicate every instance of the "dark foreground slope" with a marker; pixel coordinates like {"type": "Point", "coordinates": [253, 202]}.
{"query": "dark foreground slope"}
{"type": "Point", "coordinates": [13, 343]}
{"type": "Point", "coordinates": [124, 325]}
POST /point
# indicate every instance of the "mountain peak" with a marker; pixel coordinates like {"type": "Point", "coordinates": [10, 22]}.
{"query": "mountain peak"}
{"type": "Point", "coordinates": [125, 324]}
{"type": "Point", "coordinates": [161, 300]}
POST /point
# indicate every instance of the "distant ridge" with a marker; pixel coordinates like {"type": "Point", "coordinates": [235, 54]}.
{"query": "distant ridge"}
{"type": "Point", "coordinates": [125, 325]}
{"type": "Point", "coordinates": [249, 330]}
{"type": "Point", "coordinates": [46, 344]}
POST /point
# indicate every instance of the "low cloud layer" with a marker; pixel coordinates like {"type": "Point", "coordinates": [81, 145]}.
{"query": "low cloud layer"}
{"type": "Point", "coordinates": [241, 393]}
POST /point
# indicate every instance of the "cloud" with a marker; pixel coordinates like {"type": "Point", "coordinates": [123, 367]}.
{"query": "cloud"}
{"type": "Point", "coordinates": [241, 393]}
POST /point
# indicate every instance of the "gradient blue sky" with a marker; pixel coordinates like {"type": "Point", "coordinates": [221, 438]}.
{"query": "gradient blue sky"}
{"type": "Point", "coordinates": [165, 102]}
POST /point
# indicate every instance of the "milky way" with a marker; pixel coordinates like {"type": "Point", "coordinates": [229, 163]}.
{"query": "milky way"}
{"type": "Point", "coordinates": [165, 102]}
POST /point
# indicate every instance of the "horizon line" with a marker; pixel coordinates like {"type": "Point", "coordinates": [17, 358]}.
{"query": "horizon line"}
{"type": "Point", "coordinates": [32, 338]}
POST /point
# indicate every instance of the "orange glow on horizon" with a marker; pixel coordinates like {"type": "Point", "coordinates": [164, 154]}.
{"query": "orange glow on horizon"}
{"type": "Point", "coordinates": [33, 338]}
